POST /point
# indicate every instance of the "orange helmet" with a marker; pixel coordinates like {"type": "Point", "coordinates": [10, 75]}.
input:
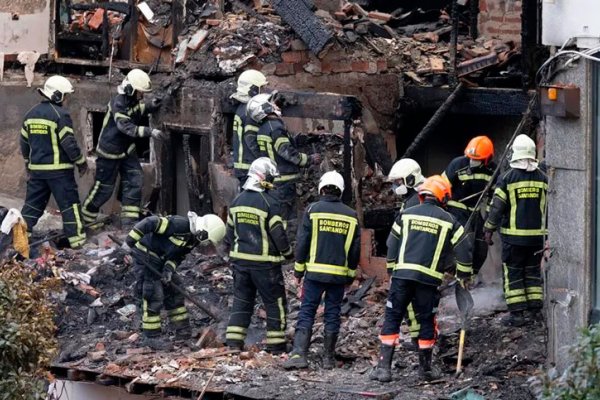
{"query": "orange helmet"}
{"type": "Point", "coordinates": [436, 186]}
{"type": "Point", "coordinates": [480, 148]}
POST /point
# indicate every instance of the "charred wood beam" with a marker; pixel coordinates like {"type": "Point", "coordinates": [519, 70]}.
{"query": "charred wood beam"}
{"type": "Point", "coordinates": [435, 120]}
{"type": "Point", "coordinates": [300, 16]}
{"type": "Point", "coordinates": [473, 19]}
{"type": "Point", "coordinates": [475, 101]}
{"type": "Point", "coordinates": [347, 173]}
{"type": "Point", "coordinates": [453, 78]}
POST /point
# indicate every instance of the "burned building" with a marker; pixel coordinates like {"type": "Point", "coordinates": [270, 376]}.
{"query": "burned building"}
{"type": "Point", "coordinates": [363, 79]}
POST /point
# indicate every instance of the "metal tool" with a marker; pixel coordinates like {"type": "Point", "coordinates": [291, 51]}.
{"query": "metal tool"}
{"type": "Point", "coordinates": [178, 288]}
{"type": "Point", "coordinates": [465, 304]}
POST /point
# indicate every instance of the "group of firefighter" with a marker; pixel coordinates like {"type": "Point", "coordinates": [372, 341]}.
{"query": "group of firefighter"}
{"type": "Point", "coordinates": [441, 231]}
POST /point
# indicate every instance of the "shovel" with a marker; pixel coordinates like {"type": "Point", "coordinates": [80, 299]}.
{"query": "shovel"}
{"type": "Point", "coordinates": [464, 301]}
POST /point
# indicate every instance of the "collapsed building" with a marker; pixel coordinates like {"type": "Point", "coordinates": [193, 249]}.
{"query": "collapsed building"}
{"type": "Point", "coordinates": [362, 79]}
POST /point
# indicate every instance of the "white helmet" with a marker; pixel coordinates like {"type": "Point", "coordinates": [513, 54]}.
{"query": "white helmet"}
{"type": "Point", "coordinates": [523, 148]}
{"type": "Point", "coordinates": [260, 106]}
{"type": "Point", "coordinates": [248, 85]}
{"type": "Point", "coordinates": [261, 175]}
{"type": "Point", "coordinates": [56, 87]}
{"type": "Point", "coordinates": [207, 227]}
{"type": "Point", "coordinates": [332, 178]}
{"type": "Point", "coordinates": [409, 171]}
{"type": "Point", "coordinates": [136, 80]}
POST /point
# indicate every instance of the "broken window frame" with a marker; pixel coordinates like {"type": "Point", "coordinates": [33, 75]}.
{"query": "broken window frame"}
{"type": "Point", "coordinates": [595, 294]}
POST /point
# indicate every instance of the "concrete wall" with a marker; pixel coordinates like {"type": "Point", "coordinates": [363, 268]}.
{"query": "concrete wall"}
{"type": "Point", "coordinates": [570, 158]}
{"type": "Point", "coordinates": [500, 18]}
{"type": "Point", "coordinates": [24, 26]}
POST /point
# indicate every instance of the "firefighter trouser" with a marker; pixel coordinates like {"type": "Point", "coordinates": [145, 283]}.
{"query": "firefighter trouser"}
{"type": "Point", "coordinates": [106, 177]}
{"type": "Point", "coordinates": [424, 299]}
{"type": "Point", "coordinates": [286, 194]}
{"type": "Point", "coordinates": [522, 277]}
{"type": "Point", "coordinates": [480, 247]}
{"type": "Point", "coordinates": [155, 295]}
{"type": "Point", "coordinates": [62, 185]}
{"type": "Point", "coordinates": [413, 325]}
{"type": "Point", "coordinates": [269, 283]}
{"type": "Point", "coordinates": [312, 294]}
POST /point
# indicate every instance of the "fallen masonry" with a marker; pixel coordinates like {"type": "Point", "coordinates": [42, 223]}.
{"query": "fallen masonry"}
{"type": "Point", "coordinates": [98, 322]}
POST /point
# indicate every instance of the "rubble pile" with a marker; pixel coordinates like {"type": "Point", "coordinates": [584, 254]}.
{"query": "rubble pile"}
{"type": "Point", "coordinates": [98, 331]}
{"type": "Point", "coordinates": [413, 42]}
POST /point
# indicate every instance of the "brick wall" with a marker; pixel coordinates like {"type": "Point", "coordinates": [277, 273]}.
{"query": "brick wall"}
{"type": "Point", "coordinates": [500, 19]}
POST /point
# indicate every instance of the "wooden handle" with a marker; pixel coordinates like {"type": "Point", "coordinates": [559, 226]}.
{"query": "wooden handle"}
{"type": "Point", "coordinates": [461, 346]}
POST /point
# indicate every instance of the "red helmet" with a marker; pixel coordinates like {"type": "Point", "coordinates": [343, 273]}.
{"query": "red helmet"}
{"type": "Point", "coordinates": [480, 148]}
{"type": "Point", "coordinates": [436, 186]}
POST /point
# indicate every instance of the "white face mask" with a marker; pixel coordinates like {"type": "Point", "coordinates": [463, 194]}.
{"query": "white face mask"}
{"type": "Point", "coordinates": [400, 190]}
{"type": "Point", "coordinates": [475, 163]}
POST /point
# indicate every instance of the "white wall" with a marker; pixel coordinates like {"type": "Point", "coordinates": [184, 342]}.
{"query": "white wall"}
{"type": "Point", "coordinates": [563, 19]}
{"type": "Point", "coordinates": [30, 32]}
{"type": "Point", "coordinates": [91, 391]}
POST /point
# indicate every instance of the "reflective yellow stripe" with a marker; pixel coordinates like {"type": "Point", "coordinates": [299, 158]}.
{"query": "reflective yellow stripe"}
{"type": "Point", "coordinates": [64, 131]}
{"type": "Point", "coordinates": [235, 336]}
{"type": "Point", "coordinates": [135, 235]}
{"type": "Point", "coordinates": [162, 225]}
{"type": "Point", "coordinates": [457, 204]}
{"type": "Point", "coordinates": [254, 257]}
{"type": "Point", "coordinates": [445, 227]}
{"type": "Point", "coordinates": [40, 121]}
{"type": "Point", "coordinates": [281, 315]}
{"type": "Point", "coordinates": [131, 208]}
{"type": "Point", "coordinates": [109, 155]}
{"type": "Point", "coordinates": [300, 267]}
{"type": "Point", "coordinates": [236, 329]}
{"type": "Point", "coordinates": [24, 133]}
{"type": "Point", "coordinates": [420, 268]}
{"type": "Point", "coordinates": [351, 273]}
{"type": "Point", "coordinates": [500, 194]}
{"type": "Point", "coordinates": [241, 165]}
{"type": "Point", "coordinates": [129, 214]}
{"type": "Point", "coordinates": [149, 322]}
{"type": "Point", "coordinates": [534, 289]}
{"type": "Point", "coordinates": [390, 264]}
{"type": "Point", "coordinates": [535, 296]}
{"type": "Point", "coordinates": [275, 220]}
{"type": "Point", "coordinates": [312, 265]}
{"type": "Point", "coordinates": [141, 130]}
{"type": "Point", "coordinates": [464, 268]}
{"type": "Point", "coordinates": [523, 232]}
{"type": "Point", "coordinates": [275, 334]}
{"type": "Point", "coordinates": [303, 159]}
{"type": "Point", "coordinates": [512, 193]}
{"type": "Point", "coordinates": [514, 300]}
{"type": "Point", "coordinates": [251, 128]}
{"type": "Point", "coordinates": [253, 210]}
{"type": "Point", "coordinates": [280, 142]}
{"type": "Point", "coordinates": [181, 317]}
{"type": "Point", "coordinates": [238, 129]}
{"type": "Point", "coordinates": [264, 138]}
{"type": "Point", "coordinates": [286, 178]}
{"type": "Point", "coordinates": [470, 177]}
{"type": "Point", "coordinates": [76, 211]}
{"type": "Point", "coordinates": [177, 242]}
{"type": "Point", "coordinates": [171, 264]}
{"type": "Point", "coordinates": [121, 116]}
{"type": "Point", "coordinates": [177, 311]}
{"type": "Point", "coordinates": [396, 229]}
{"type": "Point", "coordinates": [327, 269]}
{"type": "Point", "coordinates": [50, 167]}
{"type": "Point", "coordinates": [457, 235]}
{"type": "Point", "coordinates": [143, 248]}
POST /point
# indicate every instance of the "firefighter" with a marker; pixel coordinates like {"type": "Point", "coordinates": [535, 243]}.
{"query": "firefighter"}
{"type": "Point", "coordinates": [162, 243]}
{"type": "Point", "coordinates": [406, 177]}
{"type": "Point", "coordinates": [245, 146]}
{"type": "Point", "coordinates": [420, 239]}
{"type": "Point", "coordinates": [275, 142]}
{"type": "Point", "coordinates": [116, 149]}
{"type": "Point", "coordinates": [257, 244]}
{"type": "Point", "coordinates": [519, 210]}
{"type": "Point", "coordinates": [327, 253]}
{"type": "Point", "coordinates": [469, 175]}
{"type": "Point", "coordinates": [51, 151]}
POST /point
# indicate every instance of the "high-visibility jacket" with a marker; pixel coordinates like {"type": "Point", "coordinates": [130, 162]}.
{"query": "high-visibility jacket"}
{"type": "Point", "coordinates": [255, 232]}
{"type": "Point", "coordinates": [245, 146]}
{"type": "Point", "coordinates": [162, 241]}
{"type": "Point", "coordinates": [421, 239]}
{"type": "Point", "coordinates": [519, 207]}
{"type": "Point", "coordinates": [328, 244]}
{"type": "Point", "coordinates": [47, 141]}
{"type": "Point", "coordinates": [465, 182]}
{"type": "Point", "coordinates": [124, 122]}
{"type": "Point", "coordinates": [275, 142]}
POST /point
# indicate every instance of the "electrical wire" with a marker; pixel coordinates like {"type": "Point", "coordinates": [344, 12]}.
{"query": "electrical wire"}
{"type": "Point", "coordinates": [587, 54]}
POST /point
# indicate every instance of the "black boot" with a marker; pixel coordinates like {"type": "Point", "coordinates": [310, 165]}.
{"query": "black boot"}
{"type": "Point", "coordinates": [426, 372]}
{"type": "Point", "coordinates": [383, 371]}
{"type": "Point", "coordinates": [515, 318]}
{"type": "Point", "coordinates": [298, 357]}
{"type": "Point", "coordinates": [413, 345]}
{"type": "Point", "coordinates": [329, 350]}
{"type": "Point", "coordinates": [156, 343]}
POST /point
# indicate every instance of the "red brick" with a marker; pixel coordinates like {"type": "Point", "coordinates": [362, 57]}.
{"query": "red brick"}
{"type": "Point", "coordinates": [283, 69]}
{"type": "Point", "coordinates": [382, 65]}
{"type": "Point", "coordinates": [326, 67]}
{"type": "Point", "coordinates": [340, 15]}
{"type": "Point", "coordinates": [341, 66]}
{"type": "Point", "coordinates": [380, 16]}
{"type": "Point", "coordinates": [295, 56]}
{"type": "Point", "coordinates": [365, 66]}
{"type": "Point", "coordinates": [213, 22]}
{"type": "Point", "coordinates": [370, 265]}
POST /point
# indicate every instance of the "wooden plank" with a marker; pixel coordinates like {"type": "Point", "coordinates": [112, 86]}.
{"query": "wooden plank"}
{"type": "Point", "coordinates": [116, 64]}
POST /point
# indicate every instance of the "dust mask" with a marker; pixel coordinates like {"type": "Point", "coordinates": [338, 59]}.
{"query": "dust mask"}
{"type": "Point", "coordinates": [400, 190]}
{"type": "Point", "coordinates": [475, 163]}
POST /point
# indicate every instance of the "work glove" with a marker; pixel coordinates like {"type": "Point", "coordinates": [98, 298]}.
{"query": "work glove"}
{"type": "Point", "coordinates": [167, 275]}
{"type": "Point", "coordinates": [315, 159]}
{"type": "Point", "coordinates": [487, 236]}
{"type": "Point", "coordinates": [82, 168]}
{"type": "Point", "coordinates": [157, 134]}
{"type": "Point", "coordinates": [466, 283]}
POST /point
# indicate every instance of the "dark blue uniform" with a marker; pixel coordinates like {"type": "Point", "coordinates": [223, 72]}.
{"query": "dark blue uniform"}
{"type": "Point", "coordinates": [244, 143]}
{"type": "Point", "coordinates": [50, 151]}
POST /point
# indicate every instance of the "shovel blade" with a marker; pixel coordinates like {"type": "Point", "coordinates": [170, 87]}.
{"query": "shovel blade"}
{"type": "Point", "coordinates": [464, 301]}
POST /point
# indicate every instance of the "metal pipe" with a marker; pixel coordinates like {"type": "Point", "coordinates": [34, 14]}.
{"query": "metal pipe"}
{"type": "Point", "coordinates": [434, 121]}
